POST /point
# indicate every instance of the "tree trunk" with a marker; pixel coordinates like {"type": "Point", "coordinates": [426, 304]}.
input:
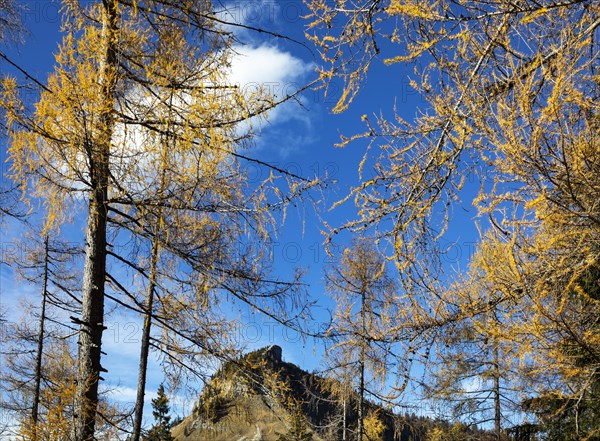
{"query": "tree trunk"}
{"type": "Point", "coordinates": [344, 424]}
{"type": "Point", "coordinates": [145, 346]}
{"type": "Point", "coordinates": [92, 318]}
{"type": "Point", "coordinates": [360, 401]}
{"type": "Point", "coordinates": [40, 346]}
{"type": "Point", "coordinates": [361, 386]}
{"type": "Point", "coordinates": [497, 408]}
{"type": "Point", "coordinates": [92, 313]}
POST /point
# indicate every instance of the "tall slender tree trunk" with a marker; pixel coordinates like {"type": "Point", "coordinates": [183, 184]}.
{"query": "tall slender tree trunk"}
{"type": "Point", "coordinates": [497, 404]}
{"type": "Point", "coordinates": [361, 416]}
{"type": "Point", "coordinates": [145, 345]}
{"type": "Point", "coordinates": [154, 256]}
{"type": "Point", "coordinates": [344, 423]}
{"type": "Point", "coordinates": [361, 366]}
{"type": "Point", "coordinates": [92, 313]}
{"type": "Point", "coordinates": [92, 320]}
{"type": "Point", "coordinates": [40, 346]}
{"type": "Point", "coordinates": [361, 410]}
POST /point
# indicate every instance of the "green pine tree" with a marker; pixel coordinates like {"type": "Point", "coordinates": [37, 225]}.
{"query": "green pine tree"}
{"type": "Point", "coordinates": [161, 431]}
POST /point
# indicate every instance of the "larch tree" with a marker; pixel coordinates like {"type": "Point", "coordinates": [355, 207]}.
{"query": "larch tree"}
{"type": "Point", "coordinates": [139, 124]}
{"type": "Point", "coordinates": [11, 31]}
{"type": "Point", "coordinates": [363, 332]}
{"type": "Point", "coordinates": [298, 430]}
{"type": "Point", "coordinates": [56, 399]}
{"type": "Point", "coordinates": [187, 203]}
{"type": "Point", "coordinates": [475, 370]}
{"type": "Point", "coordinates": [11, 23]}
{"type": "Point", "coordinates": [511, 91]}
{"type": "Point", "coordinates": [475, 64]}
{"type": "Point", "coordinates": [552, 289]}
{"type": "Point", "coordinates": [39, 363]}
{"type": "Point", "coordinates": [45, 264]}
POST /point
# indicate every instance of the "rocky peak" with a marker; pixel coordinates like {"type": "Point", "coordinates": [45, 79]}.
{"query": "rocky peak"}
{"type": "Point", "coordinates": [273, 353]}
{"type": "Point", "coordinates": [255, 398]}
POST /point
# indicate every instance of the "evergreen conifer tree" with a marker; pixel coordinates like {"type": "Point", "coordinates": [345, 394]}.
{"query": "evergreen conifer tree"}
{"type": "Point", "coordinates": [161, 431]}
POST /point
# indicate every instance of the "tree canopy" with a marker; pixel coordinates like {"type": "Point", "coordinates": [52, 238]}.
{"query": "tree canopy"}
{"type": "Point", "coordinates": [511, 91]}
{"type": "Point", "coordinates": [139, 127]}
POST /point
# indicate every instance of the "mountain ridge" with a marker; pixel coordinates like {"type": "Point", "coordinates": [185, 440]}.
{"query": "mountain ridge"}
{"type": "Point", "coordinates": [259, 396]}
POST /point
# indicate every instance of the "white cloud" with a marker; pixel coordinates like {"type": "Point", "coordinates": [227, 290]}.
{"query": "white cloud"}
{"type": "Point", "coordinates": [264, 70]}
{"type": "Point", "coordinates": [266, 65]}
{"type": "Point", "coordinates": [473, 384]}
{"type": "Point", "coordinates": [125, 394]}
{"type": "Point", "coordinates": [280, 74]}
{"type": "Point", "coordinates": [262, 63]}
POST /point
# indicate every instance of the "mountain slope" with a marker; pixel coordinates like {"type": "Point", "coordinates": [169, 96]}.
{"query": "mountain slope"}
{"type": "Point", "coordinates": [253, 398]}
{"type": "Point", "coordinates": [260, 396]}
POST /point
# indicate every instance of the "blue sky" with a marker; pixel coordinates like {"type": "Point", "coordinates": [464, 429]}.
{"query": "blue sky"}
{"type": "Point", "coordinates": [298, 138]}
